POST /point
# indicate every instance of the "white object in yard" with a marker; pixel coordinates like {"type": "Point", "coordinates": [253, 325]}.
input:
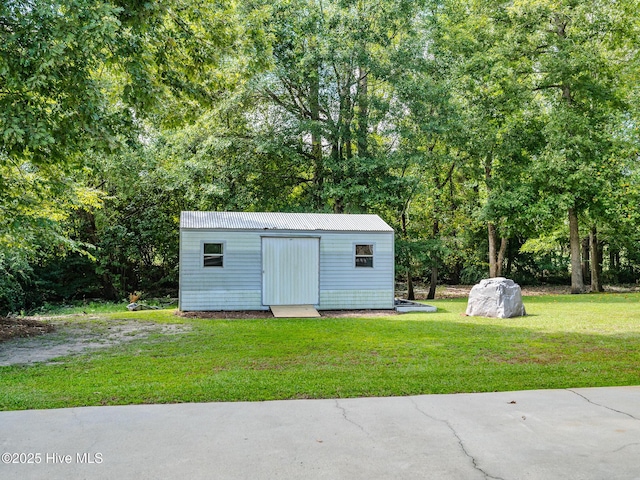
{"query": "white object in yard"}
{"type": "Point", "coordinates": [407, 306]}
{"type": "Point", "coordinates": [496, 297]}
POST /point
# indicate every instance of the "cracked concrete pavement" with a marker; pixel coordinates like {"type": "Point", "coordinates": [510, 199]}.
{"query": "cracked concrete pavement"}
{"type": "Point", "coordinates": [587, 433]}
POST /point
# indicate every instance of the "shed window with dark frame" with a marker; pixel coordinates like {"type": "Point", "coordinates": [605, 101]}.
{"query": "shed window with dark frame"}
{"type": "Point", "coordinates": [364, 255]}
{"type": "Point", "coordinates": [213, 254]}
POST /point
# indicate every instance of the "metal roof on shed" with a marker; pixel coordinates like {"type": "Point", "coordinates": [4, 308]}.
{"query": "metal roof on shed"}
{"type": "Point", "coordinates": [284, 221]}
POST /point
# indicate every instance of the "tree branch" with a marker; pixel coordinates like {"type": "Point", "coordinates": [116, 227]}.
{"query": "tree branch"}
{"type": "Point", "coordinates": [546, 87]}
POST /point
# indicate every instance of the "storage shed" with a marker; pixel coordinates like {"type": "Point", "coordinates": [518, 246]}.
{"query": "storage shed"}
{"type": "Point", "coordinates": [255, 260]}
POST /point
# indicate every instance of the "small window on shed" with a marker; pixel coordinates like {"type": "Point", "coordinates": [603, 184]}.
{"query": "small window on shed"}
{"type": "Point", "coordinates": [364, 255]}
{"type": "Point", "coordinates": [213, 254]}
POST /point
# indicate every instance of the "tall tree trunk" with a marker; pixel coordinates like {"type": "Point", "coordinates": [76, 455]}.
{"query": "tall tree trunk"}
{"type": "Point", "coordinates": [510, 255]}
{"type": "Point", "coordinates": [346, 120]}
{"type": "Point", "coordinates": [363, 114]}
{"type": "Point", "coordinates": [596, 261]}
{"type": "Point", "coordinates": [577, 283]}
{"type": "Point", "coordinates": [586, 260]}
{"type": "Point", "coordinates": [316, 138]}
{"type": "Point", "coordinates": [338, 205]}
{"type": "Point", "coordinates": [433, 282]}
{"type": "Point", "coordinates": [614, 258]}
{"type": "Point", "coordinates": [410, 293]}
{"type": "Point", "coordinates": [456, 273]}
{"type": "Point", "coordinates": [337, 176]}
{"type": "Point", "coordinates": [577, 280]}
{"type": "Point", "coordinates": [496, 257]}
{"type": "Point", "coordinates": [493, 239]}
{"type": "Point", "coordinates": [434, 265]}
{"type": "Point", "coordinates": [504, 242]}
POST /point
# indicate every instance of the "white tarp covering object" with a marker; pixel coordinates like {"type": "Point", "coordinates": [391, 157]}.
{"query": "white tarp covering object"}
{"type": "Point", "coordinates": [496, 297]}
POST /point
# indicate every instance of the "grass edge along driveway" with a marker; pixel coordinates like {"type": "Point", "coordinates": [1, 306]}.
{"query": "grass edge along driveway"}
{"type": "Point", "coordinates": [563, 342]}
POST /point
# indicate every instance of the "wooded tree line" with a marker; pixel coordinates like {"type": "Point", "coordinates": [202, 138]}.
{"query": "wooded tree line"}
{"type": "Point", "coordinates": [496, 137]}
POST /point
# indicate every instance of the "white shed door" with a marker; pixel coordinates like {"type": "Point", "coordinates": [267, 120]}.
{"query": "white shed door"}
{"type": "Point", "coordinates": [290, 271]}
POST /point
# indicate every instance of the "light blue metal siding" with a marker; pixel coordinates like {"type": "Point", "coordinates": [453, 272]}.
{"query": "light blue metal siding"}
{"type": "Point", "coordinates": [345, 286]}
{"type": "Point", "coordinates": [235, 286]}
{"type": "Point", "coordinates": [290, 273]}
{"type": "Point", "coordinates": [238, 284]}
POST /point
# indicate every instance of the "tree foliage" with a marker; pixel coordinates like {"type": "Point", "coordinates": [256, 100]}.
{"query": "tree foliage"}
{"type": "Point", "coordinates": [481, 130]}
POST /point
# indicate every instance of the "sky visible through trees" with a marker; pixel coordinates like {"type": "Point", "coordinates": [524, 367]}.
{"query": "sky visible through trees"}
{"type": "Point", "coordinates": [496, 137]}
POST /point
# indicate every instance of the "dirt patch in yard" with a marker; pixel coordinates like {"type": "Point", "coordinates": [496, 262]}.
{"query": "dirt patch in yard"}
{"type": "Point", "coordinates": [22, 327]}
{"type": "Point", "coordinates": [65, 337]}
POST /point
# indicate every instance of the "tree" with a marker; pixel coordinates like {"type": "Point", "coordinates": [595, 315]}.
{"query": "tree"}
{"type": "Point", "coordinates": [77, 78]}
{"type": "Point", "coordinates": [329, 97]}
{"type": "Point", "coordinates": [428, 125]}
{"type": "Point", "coordinates": [542, 84]}
{"type": "Point", "coordinates": [572, 54]}
{"type": "Point", "coordinates": [496, 128]}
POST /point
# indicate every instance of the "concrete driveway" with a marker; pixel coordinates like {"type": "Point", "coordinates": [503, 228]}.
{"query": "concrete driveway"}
{"type": "Point", "coordinates": [552, 434]}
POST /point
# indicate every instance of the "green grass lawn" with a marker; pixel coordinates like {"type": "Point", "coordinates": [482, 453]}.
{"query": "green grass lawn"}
{"type": "Point", "coordinates": [565, 341]}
